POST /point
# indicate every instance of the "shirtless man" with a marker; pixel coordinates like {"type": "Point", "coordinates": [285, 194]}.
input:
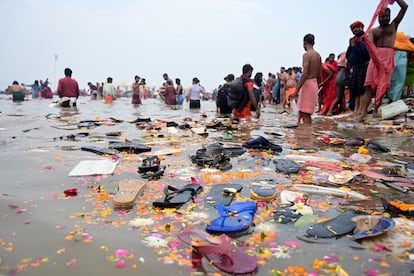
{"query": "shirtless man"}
{"type": "Point", "coordinates": [307, 88]}
{"type": "Point", "coordinates": [282, 78]}
{"type": "Point", "coordinates": [290, 84]}
{"type": "Point", "coordinates": [383, 37]}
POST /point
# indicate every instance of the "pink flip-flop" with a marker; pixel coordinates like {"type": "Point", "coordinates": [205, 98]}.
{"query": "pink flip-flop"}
{"type": "Point", "coordinates": [220, 252]}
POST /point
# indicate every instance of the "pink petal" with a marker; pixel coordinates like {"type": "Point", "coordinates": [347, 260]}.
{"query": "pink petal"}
{"type": "Point", "coordinates": [119, 253]}
{"type": "Point", "coordinates": [12, 206]}
{"type": "Point", "coordinates": [381, 248]}
{"type": "Point", "coordinates": [21, 210]}
{"type": "Point", "coordinates": [71, 262]}
{"type": "Point", "coordinates": [372, 272]}
{"type": "Point", "coordinates": [332, 258]}
{"type": "Point", "coordinates": [174, 244]}
{"type": "Point", "coordinates": [60, 227]}
{"type": "Point", "coordinates": [292, 243]}
{"type": "Point", "coordinates": [120, 264]}
{"type": "Point", "coordinates": [272, 244]}
{"type": "Point", "coordinates": [27, 222]}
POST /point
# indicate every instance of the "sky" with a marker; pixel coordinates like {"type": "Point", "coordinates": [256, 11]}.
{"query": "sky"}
{"type": "Point", "coordinates": [207, 39]}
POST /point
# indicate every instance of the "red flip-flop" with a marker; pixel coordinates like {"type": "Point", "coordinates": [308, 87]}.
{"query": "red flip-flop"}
{"type": "Point", "coordinates": [220, 252]}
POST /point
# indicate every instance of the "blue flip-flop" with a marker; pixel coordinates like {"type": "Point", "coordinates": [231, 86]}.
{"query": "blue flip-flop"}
{"type": "Point", "coordinates": [235, 219]}
{"type": "Point", "coordinates": [383, 225]}
{"type": "Point", "coordinates": [262, 190]}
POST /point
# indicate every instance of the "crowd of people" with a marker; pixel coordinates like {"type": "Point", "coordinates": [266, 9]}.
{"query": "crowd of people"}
{"type": "Point", "coordinates": [377, 63]}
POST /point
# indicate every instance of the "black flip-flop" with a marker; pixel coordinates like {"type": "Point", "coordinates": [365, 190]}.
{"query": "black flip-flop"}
{"type": "Point", "coordinates": [286, 166]}
{"type": "Point", "coordinates": [175, 198]}
{"type": "Point", "coordinates": [154, 175]}
{"type": "Point", "coordinates": [149, 164]}
{"type": "Point", "coordinates": [100, 151]}
{"type": "Point", "coordinates": [261, 143]}
{"type": "Point", "coordinates": [222, 194]}
{"type": "Point", "coordinates": [133, 148]}
{"type": "Point", "coordinates": [285, 214]}
{"type": "Point", "coordinates": [335, 227]}
{"type": "Point", "coordinates": [376, 147]}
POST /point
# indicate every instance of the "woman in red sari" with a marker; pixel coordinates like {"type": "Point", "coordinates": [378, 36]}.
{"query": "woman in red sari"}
{"type": "Point", "coordinates": [329, 71]}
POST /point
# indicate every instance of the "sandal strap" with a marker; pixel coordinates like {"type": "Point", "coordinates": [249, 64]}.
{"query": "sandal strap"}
{"type": "Point", "coordinates": [226, 211]}
{"type": "Point", "coordinates": [175, 191]}
{"type": "Point", "coordinates": [222, 248]}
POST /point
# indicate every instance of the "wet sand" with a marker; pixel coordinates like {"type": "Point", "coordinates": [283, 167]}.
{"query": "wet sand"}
{"type": "Point", "coordinates": [44, 232]}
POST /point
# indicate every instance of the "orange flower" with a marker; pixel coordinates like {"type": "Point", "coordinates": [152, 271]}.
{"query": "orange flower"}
{"type": "Point", "coordinates": [296, 271]}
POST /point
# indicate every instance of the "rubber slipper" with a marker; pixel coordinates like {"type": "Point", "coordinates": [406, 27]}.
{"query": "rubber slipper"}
{"type": "Point", "coordinates": [290, 197]}
{"type": "Point", "coordinates": [380, 176]}
{"type": "Point", "coordinates": [355, 141]}
{"type": "Point", "coordinates": [223, 193]}
{"type": "Point", "coordinates": [149, 164]}
{"type": "Point", "coordinates": [286, 166]}
{"type": "Point", "coordinates": [99, 151]}
{"type": "Point", "coordinates": [335, 227]}
{"type": "Point", "coordinates": [141, 120]}
{"type": "Point", "coordinates": [154, 175]}
{"type": "Point", "coordinates": [371, 226]}
{"type": "Point", "coordinates": [261, 143]}
{"type": "Point", "coordinates": [133, 148]}
{"type": "Point", "coordinates": [219, 251]}
{"type": "Point", "coordinates": [376, 147]}
{"type": "Point", "coordinates": [175, 198]}
{"type": "Point", "coordinates": [234, 219]}
{"type": "Point", "coordinates": [128, 192]}
{"type": "Point", "coordinates": [396, 209]}
{"type": "Point", "coordinates": [342, 177]}
{"type": "Point", "coordinates": [263, 191]}
{"type": "Point", "coordinates": [285, 214]}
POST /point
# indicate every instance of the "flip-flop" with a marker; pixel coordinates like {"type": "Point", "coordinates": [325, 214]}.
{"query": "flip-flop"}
{"type": "Point", "coordinates": [223, 193]}
{"type": "Point", "coordinates": [334, 227]}
{"type": "Point", "coordinates": [376, 147]}
{"type": "Point", "coordinates": [342, 177]}
{"type": "Point", "coordinates": [219, 252]}
{"type": "Point", "coordinates": [154, 175]}
{"type": "Point", "coordinates": [141, 120]}
{"type": "Point", "coordinates": [128, 192]}
{"type": "Point", "coordinates": [371, 226]}
{"type": "Point", "coordinates": [149, 164]}
{"type": "Point", "coordinates": [261, 143]}
{"type": "Point", "coordinates": [321, 190]}
{"type": "Point", "coordinates": [99, 151]}
{"type": "Point", "coordinates": [286, 166]}
{"type": "Point", "coordinates": [263, 190]}
{"type": "Point", "coordinates": [235, 219]}
{"type": "Point", "coordinates": [285, 214]}
{"type": "Point", "coordinates": [380, 176]}
{"type": "Point", "coordinates": [175, 198]}
{"type": "Point", "coordinates": [133, 148]}
{"type": "Point", "coordinates": [355, 141]}
{"type": "Point", "coordinates": [396, 209]}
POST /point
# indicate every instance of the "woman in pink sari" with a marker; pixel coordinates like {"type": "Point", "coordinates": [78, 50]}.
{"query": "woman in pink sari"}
{"type": "Point", "coordinates": [329, 71]}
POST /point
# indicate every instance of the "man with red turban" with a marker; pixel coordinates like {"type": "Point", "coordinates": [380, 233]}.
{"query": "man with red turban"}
{"type": "Point", "coordinates": [380, 44]}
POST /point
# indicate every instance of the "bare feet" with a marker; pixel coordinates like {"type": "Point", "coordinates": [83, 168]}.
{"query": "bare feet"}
{"type": "Point", "coordinates": [362, 117]}
{"type": "Point", "coordinates": [329, 114]}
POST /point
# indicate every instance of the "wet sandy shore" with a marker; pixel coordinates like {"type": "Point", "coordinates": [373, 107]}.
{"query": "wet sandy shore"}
{"type": "Point", "coordinates": [43, 232]}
